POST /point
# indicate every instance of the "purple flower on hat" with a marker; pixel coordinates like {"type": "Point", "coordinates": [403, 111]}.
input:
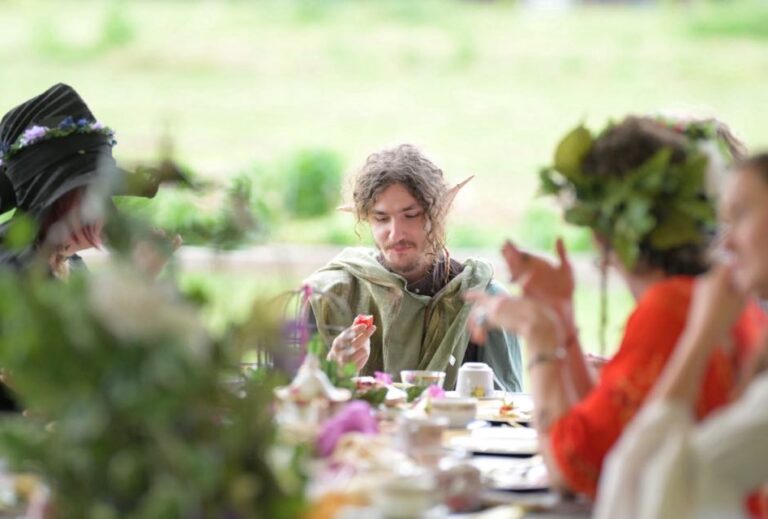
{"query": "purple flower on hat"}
{"type": "Point", "coordinates": [68, 123]}
{"type": "Point", "coordinates": [384, 378]}
{"type": "Point", "coordinates": [33, 134]}
{"type": "Point", "coordinates": [67, 127]}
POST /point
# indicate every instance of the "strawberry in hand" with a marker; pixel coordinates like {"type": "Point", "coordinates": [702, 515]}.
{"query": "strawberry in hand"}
{"type": "Point", "coordinates": [367, 320]}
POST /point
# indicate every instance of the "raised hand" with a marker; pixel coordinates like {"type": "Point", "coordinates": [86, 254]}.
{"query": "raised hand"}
{"type": "Point", "coordinates": [717, 303]}
{"type": "Point", "coordinates": [541, 279]}
{"type": "Point", "coordinates": [353, 345]}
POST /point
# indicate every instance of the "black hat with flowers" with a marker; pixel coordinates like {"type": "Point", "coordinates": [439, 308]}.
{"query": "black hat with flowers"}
{"type": "Point", "coordinates": [50, 145]}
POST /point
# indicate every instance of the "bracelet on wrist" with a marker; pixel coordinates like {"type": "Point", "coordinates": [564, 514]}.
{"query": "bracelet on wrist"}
{"type": "Point", "coordinates": [543, 357]}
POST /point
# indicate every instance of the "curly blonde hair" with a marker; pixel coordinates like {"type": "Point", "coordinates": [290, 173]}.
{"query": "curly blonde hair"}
{"type": "Point", "coordinates": [407, 166]}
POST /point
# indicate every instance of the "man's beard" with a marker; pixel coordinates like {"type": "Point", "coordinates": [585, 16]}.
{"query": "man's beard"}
{"type": "Point", "coordinates": [402, 269]}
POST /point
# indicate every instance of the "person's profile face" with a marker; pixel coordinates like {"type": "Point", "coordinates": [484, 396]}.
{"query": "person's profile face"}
{"type": "Point", "coordinates": [744, 213]}
{"type": "Point", "coordinates": [73, 233]}
{"type": "Point", "coordinates": [399, 229]}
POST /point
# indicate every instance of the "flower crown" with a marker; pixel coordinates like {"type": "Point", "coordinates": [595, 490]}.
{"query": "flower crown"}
{"type": "Point", "coordinates": [66, 127]}
{"type": "Point", "coordinates": [662, 203]}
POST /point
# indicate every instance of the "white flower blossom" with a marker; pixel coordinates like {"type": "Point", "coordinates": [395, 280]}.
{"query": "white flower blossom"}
{"type": "Point", "coordinates": [135, 309]}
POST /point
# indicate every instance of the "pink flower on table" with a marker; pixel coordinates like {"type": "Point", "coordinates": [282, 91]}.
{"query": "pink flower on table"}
{"type": "Point", "coordinates": [355, 417]}
{"type": "Point", "coordinates": [384, 378]}
{"type": "Point", "coordinates": [435, 392]}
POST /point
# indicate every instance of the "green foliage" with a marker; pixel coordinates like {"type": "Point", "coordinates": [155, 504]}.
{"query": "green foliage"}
{"type": "Point", "coordinates": [21, 233]}
{"type": "Point", "coordinates": [732, 19]}
{"type": "Point", "coordinates": [117, 29]}
{"type": "Point", "coordinates": [414, 392]}
{"type": "Point", "coordinates": [336, 228]}
{"type": "Point", "coordinates": [571, 151]}
{"type": "Point", "coordinates": [312, 183]}
{"type": "Point", "coordinates": [143, 425]}
{"type": "Point", "coordinates": [131, 407]}
{"type": "Point", "coordinates": [341, 375]}
{"type": "Point", "coordinates": [660, 203]}
{"type": "Point", "coordinates": [223, 218]}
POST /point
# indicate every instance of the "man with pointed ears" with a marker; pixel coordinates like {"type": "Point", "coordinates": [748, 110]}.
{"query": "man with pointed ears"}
{"type": "Point", "coordinates": [409, 282]}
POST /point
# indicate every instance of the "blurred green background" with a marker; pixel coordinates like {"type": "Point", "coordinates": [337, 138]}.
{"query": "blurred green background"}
{"type": "Point", "coordinates": [290, 96]}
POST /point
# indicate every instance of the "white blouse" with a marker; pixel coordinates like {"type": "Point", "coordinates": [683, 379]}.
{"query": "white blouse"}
{"type": "Point", "coordinates": [666, 465]}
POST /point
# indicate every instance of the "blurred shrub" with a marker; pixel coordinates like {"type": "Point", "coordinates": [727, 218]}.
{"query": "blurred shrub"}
{"type": "Point", "coordinates": [312, 183]}
{"type": "Point", "coordinates": [249, 207]}
{"type": "Point", "coordinates": [732, 19]}
{"type": "Point", "coordinates": [310, 11]}
{"type": "Point", "coordinates": [469, 235]}
{"type": "Point", "coordinates": [141, 431]}
{"type": "Point", "coordinates": [333, 229]}
{"type": "Point", "coordinates": [223, 219]}
{"type": "Point", "coordinates": [117, 29]}
{"type": "Point", "coordinates": [53, 41]}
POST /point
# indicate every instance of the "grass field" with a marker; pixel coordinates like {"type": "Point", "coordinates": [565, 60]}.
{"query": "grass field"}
{"type": "Point", "coordinates": [484, 87]}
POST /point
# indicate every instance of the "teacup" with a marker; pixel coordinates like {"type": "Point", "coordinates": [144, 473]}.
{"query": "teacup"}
{"type": "Point", "coordinates": [475, 380]}
{"type": "Point", "coordinates": [458, 411]}
{"type": "Point", "coordinates": [423, 378]}
{"type": "Point", "coordinates": [406, 496]}
{"type": "Point", "coordinates": [418, 432]}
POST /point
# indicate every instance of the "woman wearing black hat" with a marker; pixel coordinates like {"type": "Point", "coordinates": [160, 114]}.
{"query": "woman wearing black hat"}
{"type": "Point", "coordinates": [55, 161]}
{"type": "Point", "coordinates": [57, 169]}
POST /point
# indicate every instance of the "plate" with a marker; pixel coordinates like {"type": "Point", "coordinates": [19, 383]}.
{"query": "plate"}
{"type": "Point", "coordinates": [513, 475]}
{"type": "Point", "coordinates": [498, 441]}
{"type": "Point", "coordinates": [521, 413]}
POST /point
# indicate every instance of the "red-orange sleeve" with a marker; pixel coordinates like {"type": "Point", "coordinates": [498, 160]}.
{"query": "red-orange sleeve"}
{"type": "Point", "coordinates": [582, 437]}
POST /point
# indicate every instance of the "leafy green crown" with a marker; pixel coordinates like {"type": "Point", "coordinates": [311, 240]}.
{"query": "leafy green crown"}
{"type": "Point", "coordinates": [662, 203]}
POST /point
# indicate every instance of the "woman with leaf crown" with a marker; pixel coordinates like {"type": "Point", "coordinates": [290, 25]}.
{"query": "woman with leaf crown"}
{"type": "Point", "coordinates": [664, 465]}
{"type": "Point", "coordinates": [645, 188]}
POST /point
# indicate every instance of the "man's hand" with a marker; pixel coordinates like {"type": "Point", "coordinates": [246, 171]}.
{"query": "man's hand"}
{"type": "Point", "coordinates": [353, 345]}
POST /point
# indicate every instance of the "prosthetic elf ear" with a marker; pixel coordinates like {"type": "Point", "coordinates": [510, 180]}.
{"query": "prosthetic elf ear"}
{"type": "Point", "coordinates": [451, 195]}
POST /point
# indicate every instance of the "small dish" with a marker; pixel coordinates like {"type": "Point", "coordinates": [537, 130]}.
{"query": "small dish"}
{"type": "Point", "coordinates": [513, 475]}
{"type": "Point", "coordinates": [499, 441]}
{"type": "Point", "coordinates": [498, 394]}
{"type": "Point", "coordinates": [423, 378]}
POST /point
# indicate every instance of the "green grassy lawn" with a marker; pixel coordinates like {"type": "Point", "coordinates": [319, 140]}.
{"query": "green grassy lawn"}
{"type": "Point", "coordinates": [485, 87]}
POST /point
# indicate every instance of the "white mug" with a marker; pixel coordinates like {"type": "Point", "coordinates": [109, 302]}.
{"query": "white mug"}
{"type": "Point", "coordinates": [475, 380]}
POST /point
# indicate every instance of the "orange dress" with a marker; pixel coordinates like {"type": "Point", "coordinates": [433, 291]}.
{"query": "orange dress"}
{"type": "Point", "coordinates": [582, 437]}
